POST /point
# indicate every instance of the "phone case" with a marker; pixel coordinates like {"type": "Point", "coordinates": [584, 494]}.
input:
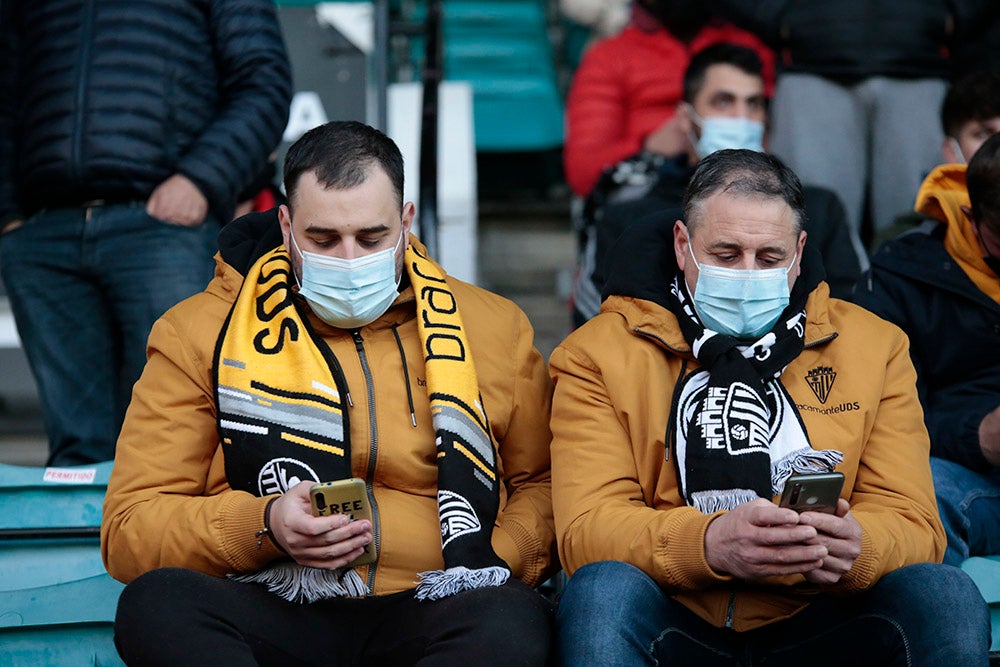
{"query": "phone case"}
{"type": "Point", "coordinates": [813, 493]}
{"type": "Point", "coordinates": [345, 496]}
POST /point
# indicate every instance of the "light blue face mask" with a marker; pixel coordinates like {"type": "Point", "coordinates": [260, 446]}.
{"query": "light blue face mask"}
{"type": "Point", "coordinates": [743, 303]}
{"type": "Point", "coordinates": [719, 133]}
{"type": "Point", "coordinates": [349, 293]}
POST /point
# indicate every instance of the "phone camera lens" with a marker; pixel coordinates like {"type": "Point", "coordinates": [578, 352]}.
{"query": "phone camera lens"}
{"type": "Point", "coordinates": [320, 501]}
{"type": "Point", "coordinates": [796, 492]}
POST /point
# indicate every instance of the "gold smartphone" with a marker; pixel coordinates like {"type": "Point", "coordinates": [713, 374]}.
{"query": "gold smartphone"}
{"type": "Point", "coordinates": [813, 493]}
{"type": "Point", "coordinates": [345, 496]}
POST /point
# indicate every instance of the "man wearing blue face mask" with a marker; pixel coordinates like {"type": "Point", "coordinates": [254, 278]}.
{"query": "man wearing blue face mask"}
{"type": "Point", "coordinates": [724, 107]}
{"type": "Point", "coordinates": [719, 367]}
{"type": "Point", "coordinates": [330, 346]}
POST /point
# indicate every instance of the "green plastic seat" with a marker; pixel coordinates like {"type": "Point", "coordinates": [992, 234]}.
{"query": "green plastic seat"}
{"type": "Point", "coordinates": [985, 571]}
{"type": "Point", "coordinates": [57, 602]}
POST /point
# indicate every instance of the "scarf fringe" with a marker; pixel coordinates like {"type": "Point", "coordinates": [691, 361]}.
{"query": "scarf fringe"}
{"type": "Point", "coordinates": [437, 584]}
{"type": "Point", "coordinates": [299, 583]}
{"type": "Point", "coordinates": [710, 502]}
{"type": "Point", "coordinates": [803, 461]}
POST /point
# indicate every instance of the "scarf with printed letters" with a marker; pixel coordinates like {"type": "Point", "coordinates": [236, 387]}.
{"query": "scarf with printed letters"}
{"type": "Point", "coordinates": [737, 435]}
{"type": "Point", "coordinates": [280, 395]}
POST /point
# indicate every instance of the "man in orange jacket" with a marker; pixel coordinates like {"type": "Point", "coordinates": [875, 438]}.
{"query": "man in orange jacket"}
{"type": "Point", "coordinates": [330, 346]}
{"type": "Point", "coordinates": [717, 369]}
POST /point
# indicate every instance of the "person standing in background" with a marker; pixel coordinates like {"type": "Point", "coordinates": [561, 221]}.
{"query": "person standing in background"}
{"type": "Point", "coordinates": [127, 131]}
{"type": "Point", "coordinates": [856, 102]}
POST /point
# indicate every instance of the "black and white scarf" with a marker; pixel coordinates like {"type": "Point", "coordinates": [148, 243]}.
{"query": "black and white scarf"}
{"type": "Point", "coordinates": [737, 435]}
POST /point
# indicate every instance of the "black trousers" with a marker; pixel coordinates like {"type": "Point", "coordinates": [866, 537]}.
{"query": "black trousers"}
{"type": "Point", "coordinates": [174, 616]}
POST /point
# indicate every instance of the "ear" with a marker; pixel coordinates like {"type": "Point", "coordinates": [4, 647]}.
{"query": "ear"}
{"type": "Point", "coordinates": [798, 253]}
{"type": "Point", "coordinates": [682, 241]}
{"type": "Point", "coordinates": [285, 220]}
{"type": "Point", "coordinates": [948, 151]}
{"type": "Point", "coordinates": [408, 212]}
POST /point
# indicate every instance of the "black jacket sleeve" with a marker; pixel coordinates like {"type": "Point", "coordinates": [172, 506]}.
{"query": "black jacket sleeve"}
{"type": "Point", "coordinates": [8, 102]}
{"type": "Point", "coordinates": [256, 87]}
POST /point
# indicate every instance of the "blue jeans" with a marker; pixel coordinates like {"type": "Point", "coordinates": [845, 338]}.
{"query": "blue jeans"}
{"type": "Point", "coordinates": [612, 613]}
{"type": "Point", "coordinates": [969, 505]}
{"type": "Point", "coordinates": [85, 287]}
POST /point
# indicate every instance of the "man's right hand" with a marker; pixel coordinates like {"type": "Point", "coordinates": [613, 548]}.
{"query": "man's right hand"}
{"type": "Point", "coordinates": [673, 137]}
{"type": "Point", "coordinates": [759, 539]}
{"type": "Point", "coordinates": [327, 542]}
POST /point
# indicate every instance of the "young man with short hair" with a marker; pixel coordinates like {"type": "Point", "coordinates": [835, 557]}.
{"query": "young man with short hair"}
{"type": "Point", "coordinates": [329, 346]}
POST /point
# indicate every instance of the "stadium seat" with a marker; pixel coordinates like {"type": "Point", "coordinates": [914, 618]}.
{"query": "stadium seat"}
{"type": "Point", "coordinates": [985, 571]}
{"type": "Point", "coordinates": [57, 602]}
{"type": "Point", "coordinates": [502, 48]}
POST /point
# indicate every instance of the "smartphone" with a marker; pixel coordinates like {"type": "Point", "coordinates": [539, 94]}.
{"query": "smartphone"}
{"type": "Point", "coordinates": [345, 496]}
{"type": "Point", "coordinates": [813, 493]}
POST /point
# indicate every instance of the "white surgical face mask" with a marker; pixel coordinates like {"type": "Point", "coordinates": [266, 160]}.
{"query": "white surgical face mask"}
{"type": "Point", "coordinates": [743, 303]}
{"type": "Point", "coordinates": [718, 133]}
{"type": "Point", "coordinates": [349, 293]}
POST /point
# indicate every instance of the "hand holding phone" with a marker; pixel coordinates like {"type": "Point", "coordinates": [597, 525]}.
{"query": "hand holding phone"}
{"type": "Point", "coordinates": [348, 497]}
{"type": "Point", "coordinates": [817, 492]}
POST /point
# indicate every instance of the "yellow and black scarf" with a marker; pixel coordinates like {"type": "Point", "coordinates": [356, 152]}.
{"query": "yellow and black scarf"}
{"type": "Point", "coordinates": [280, 394]}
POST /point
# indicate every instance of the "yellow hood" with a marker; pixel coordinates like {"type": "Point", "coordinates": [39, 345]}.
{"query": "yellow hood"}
{"type": "Point", "coordinates": [941, 197]}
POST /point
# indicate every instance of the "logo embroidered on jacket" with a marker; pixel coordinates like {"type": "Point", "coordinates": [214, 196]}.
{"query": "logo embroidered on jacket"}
{"type": "Point", "coordinates": [820, 380]}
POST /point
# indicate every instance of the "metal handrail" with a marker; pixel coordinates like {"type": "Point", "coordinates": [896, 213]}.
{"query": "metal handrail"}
{"type": "Point", "coordinates": [50, 533]}
{"type": "Point", "coordinates": [427, 216]}
{"type": "Point", "coordinates": [433, 73]}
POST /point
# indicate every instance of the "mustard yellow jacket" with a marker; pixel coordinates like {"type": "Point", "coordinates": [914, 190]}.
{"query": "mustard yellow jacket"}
{"type": "Point", "coordinates": [168, 502]}
{"type": "Point", "coordinates": [614, 483]}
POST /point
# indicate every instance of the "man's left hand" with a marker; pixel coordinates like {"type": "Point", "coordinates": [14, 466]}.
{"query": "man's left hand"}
{"type": "Point", "coordinates": [178, 201]}
{"type": "Point", "coordinates": [840, 533]}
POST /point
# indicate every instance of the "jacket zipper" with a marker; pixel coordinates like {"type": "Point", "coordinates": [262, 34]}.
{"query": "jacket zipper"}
{"type": "Point", "coordinates": [645, 334]}
{"type": "Point", "coordinates": [372, 453]}
{"type": "Point", "coordinates": [730, 610]}
{"type": "Point", "coordinates": [86, 31]}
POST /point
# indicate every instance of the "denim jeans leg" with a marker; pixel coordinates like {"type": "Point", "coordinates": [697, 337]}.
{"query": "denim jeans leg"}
{"type": "Point", "coordinates": [613, 614]}
{"type": "Point", "coordinates": [147, 265]}
{"type": "Point", "coordinates": [922, 615]}
{"type": "Point", "coordinates": [969, 505]}
{"type": "Point", "coordinates": [66, 332]}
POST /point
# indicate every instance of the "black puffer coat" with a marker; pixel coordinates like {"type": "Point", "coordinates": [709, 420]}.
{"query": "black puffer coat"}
{"type": "Point", "coordinates": [850, 40]}
{"type": "Point", "coordinates": [105, 99]}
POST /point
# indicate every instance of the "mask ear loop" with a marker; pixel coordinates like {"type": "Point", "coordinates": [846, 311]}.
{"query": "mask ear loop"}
{"type": "Point", "coordinates": [691, 252]}
{"type": "Point", "coordinates": [697, 120]}
{"type": "Point", "coordinates": [291, 235]}
{"type": "Point", "coordinates": [955, 146]}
